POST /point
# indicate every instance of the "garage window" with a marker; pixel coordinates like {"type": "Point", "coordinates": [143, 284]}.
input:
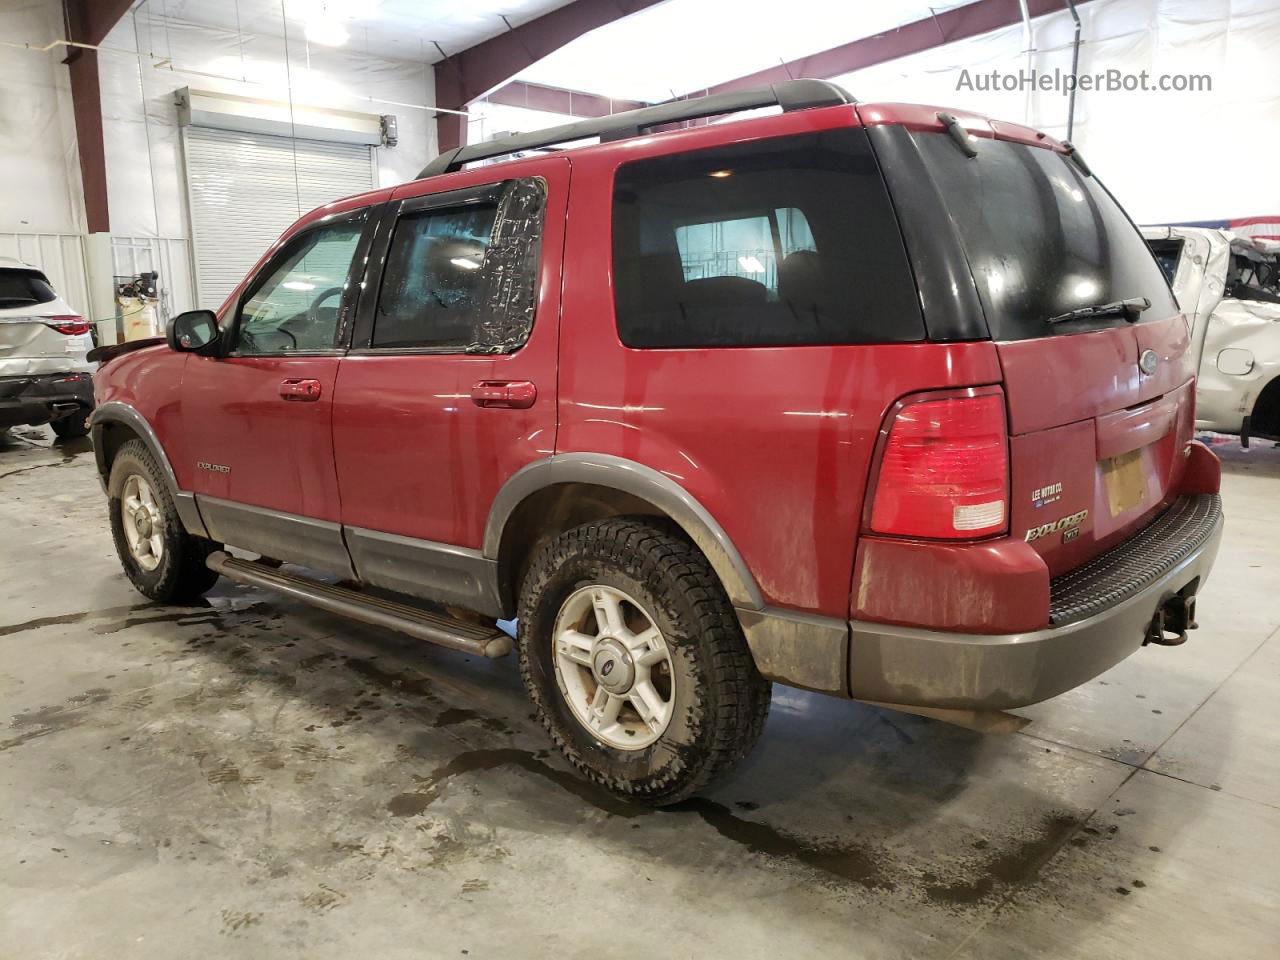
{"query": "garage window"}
{"type": "Point", "coordinates": [786, 241]}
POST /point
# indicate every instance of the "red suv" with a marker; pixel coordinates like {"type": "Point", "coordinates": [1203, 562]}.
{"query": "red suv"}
{"type": "Point", "coordinates": [870, 399]}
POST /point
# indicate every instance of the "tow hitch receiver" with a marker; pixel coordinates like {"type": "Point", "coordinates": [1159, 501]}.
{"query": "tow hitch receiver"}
{"type": "Point", "coordinates": [1174, 618]}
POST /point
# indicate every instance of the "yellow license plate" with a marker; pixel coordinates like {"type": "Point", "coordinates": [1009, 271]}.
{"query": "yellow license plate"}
{"type": "Point", "coordinates": [1125, 477]}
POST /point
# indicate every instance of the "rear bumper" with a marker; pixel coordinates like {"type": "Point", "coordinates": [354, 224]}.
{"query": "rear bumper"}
{"type": "Point", "coordinates": [1100, 617]}
{"type": "Point", "coordinates": [40, 398]}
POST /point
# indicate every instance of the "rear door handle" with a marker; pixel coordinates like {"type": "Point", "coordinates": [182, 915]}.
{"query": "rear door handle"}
{"type": "Point", "coordinates": [514, 394]}
{"type": "Point", "coordinates": [303, 391]}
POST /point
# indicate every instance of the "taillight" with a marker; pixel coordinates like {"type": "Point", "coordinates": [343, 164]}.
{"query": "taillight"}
{"type": "Point", "coordinates": [944, 472]}
{"type": "Point", "coordinates": [71, 326]}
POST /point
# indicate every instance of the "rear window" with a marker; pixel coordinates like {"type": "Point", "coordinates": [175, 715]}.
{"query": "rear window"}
{"type": "Point", "coordinates": [1042, 238]}
{"type": "Point", "coordinates": [787, 241]}
{"type": "Point", "coordinates": [24, 288]}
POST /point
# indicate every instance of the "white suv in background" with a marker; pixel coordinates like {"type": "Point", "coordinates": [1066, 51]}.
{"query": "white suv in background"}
{"type": "Point", "coordinates": [45, 375]}
{"type": "Point", "coordinates": [1229, 288]}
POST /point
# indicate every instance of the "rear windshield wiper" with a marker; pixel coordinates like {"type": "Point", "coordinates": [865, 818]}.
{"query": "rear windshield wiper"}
{"type": "Point", "coordinates": [1130, 309]}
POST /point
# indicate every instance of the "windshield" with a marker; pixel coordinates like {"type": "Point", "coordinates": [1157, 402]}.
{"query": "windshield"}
{"type": "Point", "coordinates": [1042, 238]}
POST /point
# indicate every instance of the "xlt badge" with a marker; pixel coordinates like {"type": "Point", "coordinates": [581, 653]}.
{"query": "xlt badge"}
{"type": "Point", "coordinates": [1066, 523]}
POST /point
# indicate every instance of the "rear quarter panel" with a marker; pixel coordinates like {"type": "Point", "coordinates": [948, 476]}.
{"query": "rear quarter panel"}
{"type": "Point", "coordinates": [774, 442]}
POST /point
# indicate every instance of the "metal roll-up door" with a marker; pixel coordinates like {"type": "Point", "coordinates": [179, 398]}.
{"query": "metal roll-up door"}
{"type": "Point", "coordinates": [246, 188]}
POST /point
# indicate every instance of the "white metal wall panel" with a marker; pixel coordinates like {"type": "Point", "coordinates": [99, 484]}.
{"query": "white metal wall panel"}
{"type": "Point", "coordinates": [246, 188]}
{"type": "Point", "coordinates": [60, 256]}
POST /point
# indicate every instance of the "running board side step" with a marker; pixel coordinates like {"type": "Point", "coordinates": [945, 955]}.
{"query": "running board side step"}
{"type": "Point", "coordinates": [470, 638]}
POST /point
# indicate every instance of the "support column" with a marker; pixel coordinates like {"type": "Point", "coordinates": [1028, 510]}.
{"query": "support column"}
{"type": "Point", "coordinates": [86, 99]}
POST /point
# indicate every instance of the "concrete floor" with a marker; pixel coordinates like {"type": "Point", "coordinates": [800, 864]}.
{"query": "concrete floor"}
{"type": "Point", "coordinates": [252, 778]}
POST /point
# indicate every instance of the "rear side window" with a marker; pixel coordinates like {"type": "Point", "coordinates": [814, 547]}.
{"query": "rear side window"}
{"type": "Point", "coordinates": [1042, 238]}
{"type": "Point", "coordinates": [789, 241]}
{"type": "Point", "coordinates": [24, 288]}
{"type": "Point", "coordinates": [463, 277]}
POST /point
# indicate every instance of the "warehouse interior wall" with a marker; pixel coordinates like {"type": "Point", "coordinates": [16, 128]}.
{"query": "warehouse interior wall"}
{"type": "Point", "coordinates": [1168, 157]}
{"type": "Point", "coordinates": [39, 166]}
{"type": "Point", "coordinates": [487, 121]}
{"type": "Point", "coordinates": [146, 186]}
{"type": "Point", "coordinates": [142, 62]}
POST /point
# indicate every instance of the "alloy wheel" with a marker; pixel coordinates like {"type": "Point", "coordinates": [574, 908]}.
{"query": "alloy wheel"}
{"type": "Point", "coordinates": [143, 522]}
{"type": "Point", "coordinates": [614, 667]}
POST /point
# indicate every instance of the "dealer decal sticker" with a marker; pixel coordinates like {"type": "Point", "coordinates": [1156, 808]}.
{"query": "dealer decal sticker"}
{"type": "Point", "coordinates": [1043, 496]}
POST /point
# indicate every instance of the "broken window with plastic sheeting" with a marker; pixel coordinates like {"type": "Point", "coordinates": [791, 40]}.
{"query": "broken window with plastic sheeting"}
{"type": "Point", "coordinates": [463, 279]}
{"type": "Point", "coordinates": [510, 296]}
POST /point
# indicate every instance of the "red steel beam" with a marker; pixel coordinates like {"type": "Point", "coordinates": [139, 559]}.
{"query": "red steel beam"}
{"type": "Point", "coordinates": [86, 102]}
{"type": "Point", "coordinates": [89, 21]}
{"type": "Point", "coordinates": [471, 73]}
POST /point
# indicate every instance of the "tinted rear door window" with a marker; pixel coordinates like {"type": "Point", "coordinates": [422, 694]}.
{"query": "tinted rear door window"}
{"type": "Point", "coordinates": [461, 277]}
{"type": "Point", "coordinates": [1041, 237]}
{"type": "Point", "coordinates": [785, 241]}
{"type": "Point", "coordinates": [431, 289]}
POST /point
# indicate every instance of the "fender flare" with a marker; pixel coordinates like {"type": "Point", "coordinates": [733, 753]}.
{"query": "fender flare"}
{"type": "Point", "coordinates": [640, 481]}
{"type": "Point", "coordinates": [115, 411]}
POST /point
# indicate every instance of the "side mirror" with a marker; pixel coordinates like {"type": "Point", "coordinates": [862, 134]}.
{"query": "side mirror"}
{"type": "Point", "coordinates": [193, 332]}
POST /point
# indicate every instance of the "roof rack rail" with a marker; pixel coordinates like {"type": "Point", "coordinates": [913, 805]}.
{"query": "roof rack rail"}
{"type": "Point", "coordinates": [790, 95]}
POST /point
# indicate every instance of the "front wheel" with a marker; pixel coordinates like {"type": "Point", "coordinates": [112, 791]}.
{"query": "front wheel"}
{"type": "Point", "coordinates": [163, 561]}
{"type": "Point", "coordinates": [635, 661]}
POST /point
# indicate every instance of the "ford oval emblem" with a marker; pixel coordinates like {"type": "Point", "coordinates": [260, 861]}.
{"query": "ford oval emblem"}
{"type": "Point", "coordinates": [1148, 362]}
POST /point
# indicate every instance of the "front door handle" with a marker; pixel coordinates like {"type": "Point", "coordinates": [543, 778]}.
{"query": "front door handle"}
{"type": "Point", "coordinates": [513, 394]}
{"type": "Point", "coordinates": [303, 391]}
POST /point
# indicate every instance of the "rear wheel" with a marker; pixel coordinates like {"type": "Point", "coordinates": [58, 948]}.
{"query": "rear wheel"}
{"type": "Point", "coordinates": [163, 561]}
{"type": "Point", "coordinates": [76, 425]}
{"type": "Point", "coordinates": [635, 661]}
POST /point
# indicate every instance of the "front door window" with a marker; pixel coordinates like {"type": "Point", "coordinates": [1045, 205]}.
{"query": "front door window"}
{"type": "Point", "coordinates": [295, 305]}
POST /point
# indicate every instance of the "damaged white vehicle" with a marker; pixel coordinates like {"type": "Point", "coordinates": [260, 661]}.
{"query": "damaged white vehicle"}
{"type": "Point", "coordinates": [1230, 289]}
{"type": "Point", "coordinates": [45, 373]}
